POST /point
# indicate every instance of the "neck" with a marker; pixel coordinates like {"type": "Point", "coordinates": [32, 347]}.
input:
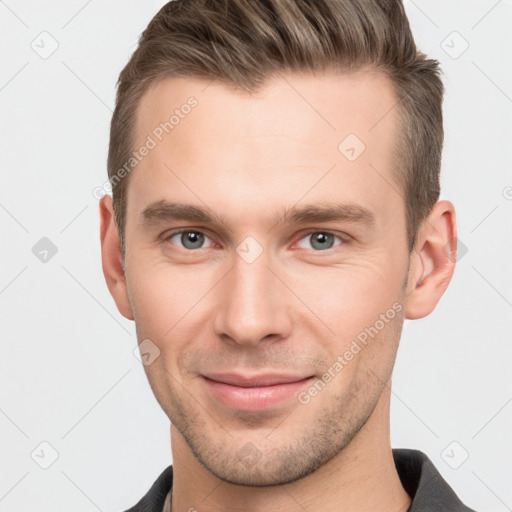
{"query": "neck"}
{"type": "Point", "coordinates": [361, 478]}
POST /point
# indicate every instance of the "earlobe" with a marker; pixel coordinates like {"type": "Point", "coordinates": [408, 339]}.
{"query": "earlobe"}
{"type": "Point", "coordinates": [111, 258]}
{"type": "Point", "coordinates": [433, 262]}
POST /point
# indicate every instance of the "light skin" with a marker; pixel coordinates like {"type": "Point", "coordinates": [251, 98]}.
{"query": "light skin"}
{"type": "Point", "coordinates": [296, 307]}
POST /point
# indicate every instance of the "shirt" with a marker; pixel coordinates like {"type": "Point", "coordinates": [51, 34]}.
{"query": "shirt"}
{"type": "Point", "coordinates": [428, 490]}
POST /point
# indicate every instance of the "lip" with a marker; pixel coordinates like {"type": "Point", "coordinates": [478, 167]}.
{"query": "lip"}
{"type": "Point", "coordinates": [254, 393]}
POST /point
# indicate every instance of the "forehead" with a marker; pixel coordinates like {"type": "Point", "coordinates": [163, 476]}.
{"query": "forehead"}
{"type": "Point", "coordinates": [329, 136]}
{"type": "Point", "coordinates": [362, 100]}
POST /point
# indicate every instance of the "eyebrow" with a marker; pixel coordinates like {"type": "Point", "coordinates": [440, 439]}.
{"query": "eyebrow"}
{"type": "Point", "coordinates": [164, 211]}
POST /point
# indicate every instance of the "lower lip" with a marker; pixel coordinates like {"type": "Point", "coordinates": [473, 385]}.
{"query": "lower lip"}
{"type": "Point", "coordinates": [254, 398]}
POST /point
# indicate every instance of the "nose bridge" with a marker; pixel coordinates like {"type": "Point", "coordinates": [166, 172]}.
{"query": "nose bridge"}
{"type": "Point", "coordinates": [252, 306]}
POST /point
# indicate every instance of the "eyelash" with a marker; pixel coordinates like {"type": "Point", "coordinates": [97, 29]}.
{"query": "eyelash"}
{"type": "Point", "coordinates": [343, 239]}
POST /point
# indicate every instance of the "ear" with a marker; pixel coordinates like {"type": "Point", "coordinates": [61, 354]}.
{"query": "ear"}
{"type": "Point", "coordinates": [433, 261]}
{"type": "Point", "coordinates": [111, 258]}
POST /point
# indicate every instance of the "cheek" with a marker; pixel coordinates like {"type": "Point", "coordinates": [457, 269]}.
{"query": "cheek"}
{"type": "Point", "coordinates": [168, 300]}
{"type": "Point", "coordinates": [350, 296]}
{"type": "Point", "coordinates": [155, 303]}
{"type": "Point", "coordinates": [357, 317]}
{"type": "Point", "coordinates": [162, 306]}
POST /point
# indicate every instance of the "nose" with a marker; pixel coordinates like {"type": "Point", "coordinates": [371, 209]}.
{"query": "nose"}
{"type": "Point", "coordinates": [251, 306]}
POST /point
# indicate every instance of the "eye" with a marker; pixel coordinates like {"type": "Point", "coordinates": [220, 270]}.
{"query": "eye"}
{"type": "Point", "coordinates": [190, 239]}
{"type": "Point", "coordinates": [319, 240]}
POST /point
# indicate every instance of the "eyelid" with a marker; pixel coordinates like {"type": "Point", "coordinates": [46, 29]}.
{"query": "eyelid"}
{"type": "Point", "coordinates": [303, 234]}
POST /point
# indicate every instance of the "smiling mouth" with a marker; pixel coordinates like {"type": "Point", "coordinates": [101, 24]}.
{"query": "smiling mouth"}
{"type": "Point", "coordinates": [254, 393]}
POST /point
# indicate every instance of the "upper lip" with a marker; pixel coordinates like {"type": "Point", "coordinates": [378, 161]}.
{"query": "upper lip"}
{"type": "Point", "coordinates": [267, 379]}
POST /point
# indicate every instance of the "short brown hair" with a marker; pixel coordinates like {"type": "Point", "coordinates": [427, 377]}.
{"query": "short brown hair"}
{"type": "Point", "coordinates": [242, 43]}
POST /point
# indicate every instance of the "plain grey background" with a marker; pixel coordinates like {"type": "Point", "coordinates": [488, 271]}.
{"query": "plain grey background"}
{"type": "Point", "coordinates": [75, 399]}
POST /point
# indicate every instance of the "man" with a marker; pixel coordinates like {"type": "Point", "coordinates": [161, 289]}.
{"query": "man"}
{"type": "Point", "coordinates": [246, 135]}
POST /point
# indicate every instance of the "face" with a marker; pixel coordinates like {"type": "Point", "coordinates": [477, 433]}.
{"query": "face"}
{"type": "Point", "coordinates": [291, 266]}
